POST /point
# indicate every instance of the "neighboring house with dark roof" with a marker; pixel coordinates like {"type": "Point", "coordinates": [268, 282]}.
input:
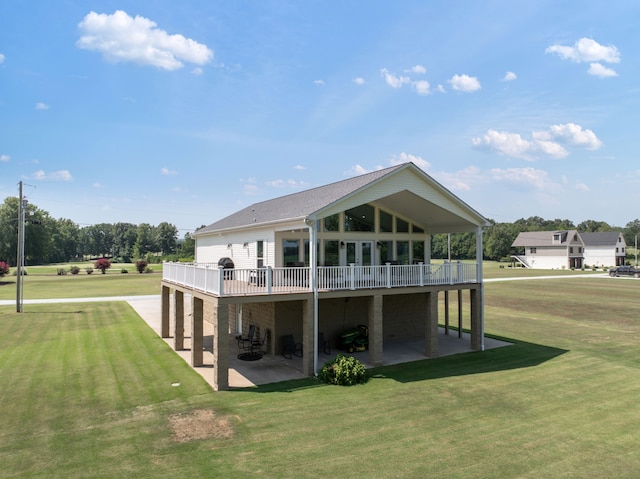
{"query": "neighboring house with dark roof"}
{"type": "Point", "coordinates": [569, 249]}
{"type": "Point", "coordinates": [329, 258]}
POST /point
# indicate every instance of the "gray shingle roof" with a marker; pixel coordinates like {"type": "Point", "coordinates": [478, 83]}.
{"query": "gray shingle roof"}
{"type": "Point", "coordinates": [543, 238]}
{"type": "Point", "coordinates": [601, 238]}
{"type": "Point", "coordinates": [297, 205]}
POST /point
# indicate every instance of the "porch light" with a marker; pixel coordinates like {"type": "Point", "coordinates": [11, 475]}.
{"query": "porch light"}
{"type": "Point", "coordinates": [229, 245]}
{"type": "Point", "coordinates": [245, 245]}
{"type": "Point", "coordinates": [342, 244]}
{"type": "Point", "coordinates": [378, 244]}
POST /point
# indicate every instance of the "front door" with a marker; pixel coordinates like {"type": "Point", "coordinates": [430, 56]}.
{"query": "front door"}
{"type": "Point", "coordinates": [359, 253]}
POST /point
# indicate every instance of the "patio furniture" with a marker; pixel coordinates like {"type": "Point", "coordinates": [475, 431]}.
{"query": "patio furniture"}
{"type": "Point", "coordinates": [258, 344]}
{"type": "Point", "coordinates": [290, 347]}
{"type": "Point", "coordinates": [245, 342]}
{"type": "Point", "coordinates": [323, 344]}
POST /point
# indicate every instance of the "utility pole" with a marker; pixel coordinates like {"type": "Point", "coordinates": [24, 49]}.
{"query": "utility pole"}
{"type": "Point", "coordinates": [20, 259]}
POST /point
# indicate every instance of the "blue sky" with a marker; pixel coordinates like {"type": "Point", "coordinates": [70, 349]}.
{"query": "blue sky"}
{"type": "Point", "coordinates": [186, 111]}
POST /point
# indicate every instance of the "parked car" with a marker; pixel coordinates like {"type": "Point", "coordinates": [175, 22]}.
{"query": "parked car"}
{"type": "Point", "coordinates": [625, 271]}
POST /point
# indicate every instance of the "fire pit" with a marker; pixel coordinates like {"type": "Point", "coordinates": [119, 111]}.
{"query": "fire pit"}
{"type": "Point", "coordinates": [250, 356]}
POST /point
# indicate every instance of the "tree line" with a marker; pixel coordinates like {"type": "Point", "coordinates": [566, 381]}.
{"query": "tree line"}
{"type": "Point", "coordinates": [49, 240]}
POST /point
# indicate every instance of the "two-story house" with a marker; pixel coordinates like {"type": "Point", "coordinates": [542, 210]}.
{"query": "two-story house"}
{"type": "Point", "coordinates": [320, 261]}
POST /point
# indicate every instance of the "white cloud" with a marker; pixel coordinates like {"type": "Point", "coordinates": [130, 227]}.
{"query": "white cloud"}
{"type": "Point", "coordinates": [41, 106]}
{"type": "Point", "coordinates": [530, 176]}
{"type": "Point", "coordinates": [464, 83]}
{"type": "Point", "coordinates": [357, 170]}
{"type": "Point", "coordinates": [167, 172]}
{"type": "Point", "coordinates": [441, 89]}
{"type": "Point", "coordinates": [197, 71]}
{"type": "Point", "coordinates": [586, 50]}
{"type": "Point", "coordinates": [505, 143]}
{"type": "Point", "coordinates": [359, 81]}
{"type": "Point", "coordinates": [582, 187]}
{"type": "Point", "coordinates": [5, 157]}
{"type": "Point", "coordinates": [249, 186]}
{"type": "Point", "coordinates": [419, 69]}
{"type": "Point", "coordinates": [318, 82]}
{"type": "Point", "coordinates": [407, 157]}
{"type": "Point", "coordinates": [2, 57]}
{"type": "Point", "coordinates": [60, 175]}
{"type": "Point", "coordinates": [96, 185]}
{"type": "Point", "coordinates": [599, 70]}
{"type": "Point", "coordinates": [299, 167]}
{"type": "Point", "coordinates": [122, 38]}
{"type": "Point", "coordinates": [460, 180]}
{"type": "Point", "coordinates": [549, 142]}
{"type": "Point", "coordinates": [286, 184]}
{"type": "Point", "coordinates": [572, 134]}
{"type": "Point", "coordinates": [422, 87]}
{"type": "Point", "coordinates": [393, 80]}
{"type": "Point", "coordinates": [509, 76]}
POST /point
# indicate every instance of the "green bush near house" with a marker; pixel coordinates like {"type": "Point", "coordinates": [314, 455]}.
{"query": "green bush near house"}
{"type": "Point", "coordinates": [343, 371]}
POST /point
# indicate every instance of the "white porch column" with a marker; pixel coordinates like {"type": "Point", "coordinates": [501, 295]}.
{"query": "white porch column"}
{"type": "Point", "coordinates": [480, 295]}
{"type": "Point", "coordinates": [313, 273]}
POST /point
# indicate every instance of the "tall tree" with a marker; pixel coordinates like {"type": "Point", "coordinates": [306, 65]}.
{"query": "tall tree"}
{"type": "Point", "coordinates": [166, 238]}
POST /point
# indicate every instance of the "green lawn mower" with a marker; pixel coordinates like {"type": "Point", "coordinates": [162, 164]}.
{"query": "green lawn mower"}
{"type": "Point", "coordinates": [355, 339]}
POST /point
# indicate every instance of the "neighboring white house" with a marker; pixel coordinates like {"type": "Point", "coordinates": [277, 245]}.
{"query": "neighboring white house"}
{"type": "Point", "coordinates": [352, 252]}
{"type": "Point", "coordinates": [569, 249]}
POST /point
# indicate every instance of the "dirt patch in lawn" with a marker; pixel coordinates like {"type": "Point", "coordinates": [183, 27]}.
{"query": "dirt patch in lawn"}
{"type": "Point", "coordinates": [200, 424]}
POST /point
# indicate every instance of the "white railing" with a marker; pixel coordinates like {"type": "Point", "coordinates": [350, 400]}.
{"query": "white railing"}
{"type": "Point", "coordinates": [233, 282]}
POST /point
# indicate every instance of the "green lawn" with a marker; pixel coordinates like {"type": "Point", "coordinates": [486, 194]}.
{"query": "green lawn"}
{"type": "Point", "coordinates": [87, 391]}
{"type": "Point", "coordinates": [42, 282]}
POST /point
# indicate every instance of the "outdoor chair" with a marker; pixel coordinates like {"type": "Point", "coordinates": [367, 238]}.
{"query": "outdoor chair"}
{"type": "Point", "coordinates": [245, 342]}
{"type": "Point", "coordinates": [291, 348]}
{"type": "Point", "coordinates": [258, 344]}
{"type": "Point", "coordinates": [323, 345]}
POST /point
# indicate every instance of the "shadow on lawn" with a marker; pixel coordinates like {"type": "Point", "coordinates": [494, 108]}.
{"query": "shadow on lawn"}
{"type": "Point", "coordinates": [517, 356]}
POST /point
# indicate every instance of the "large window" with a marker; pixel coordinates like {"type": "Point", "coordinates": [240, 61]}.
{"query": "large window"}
{"type": "Point", "coordinates": [332, 223]}
{"type": "Point", "coordinates": [386, 222]}
{"type": "Point", "coordinates": [360, 218]}
{"type": "Point", "coordinates": [402, 252]}
{"type": "Point", "coordinates": [331, 253]}
{"type": "Point", "coordinates": [402, 226]}
{"type": "Point", "coordinates": [386, 252]}
{"type": "Point", "coordinates": [290, 252]}
{"type": "Point", "coordinates": [418, 251]}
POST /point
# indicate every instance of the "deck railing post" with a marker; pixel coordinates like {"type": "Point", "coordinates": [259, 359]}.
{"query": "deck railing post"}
{"type": "Point", "coordinates": [269, 279]}
{"type": "Point", "coordinates": [221, 280]}
{"type": "Point", "coordinates": [421, 273]}
{"type": "Point", "coordinates": [388, 273]}
{"type": "Point", "coordinates": [352, 273]}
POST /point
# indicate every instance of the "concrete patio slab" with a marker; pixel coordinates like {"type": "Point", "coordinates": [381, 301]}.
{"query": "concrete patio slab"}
{"type": "Point", "coordinates": [276, 368]}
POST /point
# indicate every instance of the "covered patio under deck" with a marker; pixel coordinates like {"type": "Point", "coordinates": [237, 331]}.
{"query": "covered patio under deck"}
{"type": "Point", "coordinates": [293, 314]}
{"type": "Point", "coordinates": [275, 368]}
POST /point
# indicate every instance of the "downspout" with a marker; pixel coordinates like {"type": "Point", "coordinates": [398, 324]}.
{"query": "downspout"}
{"type": "Point", "coordinates": [313, 270]}
{"type": "Point", "coordinates": [479, 258]}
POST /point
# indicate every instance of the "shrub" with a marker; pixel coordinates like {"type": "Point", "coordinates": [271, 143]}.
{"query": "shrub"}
{"type": "Point", "coordinates": [74, 269]}
{"type": "Point", "coordinates": [124, 271]}
{"type": "Point", "coordinates": [148, 270]}
{"type": "Point", "coordinates": [103, 264]}
{"type": "Point", "coordinates": [89, 269]}
{"type": "Point", "coordinates": [141, 265]}
{"type": "Point", "coordinates": [15, 272]}
{"type": "Point", "coordinates": [343, 371]}
{"type": "Point", "coordinates": [4, 269]}
{"type": "Point", "coordinates": [61, 271]}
